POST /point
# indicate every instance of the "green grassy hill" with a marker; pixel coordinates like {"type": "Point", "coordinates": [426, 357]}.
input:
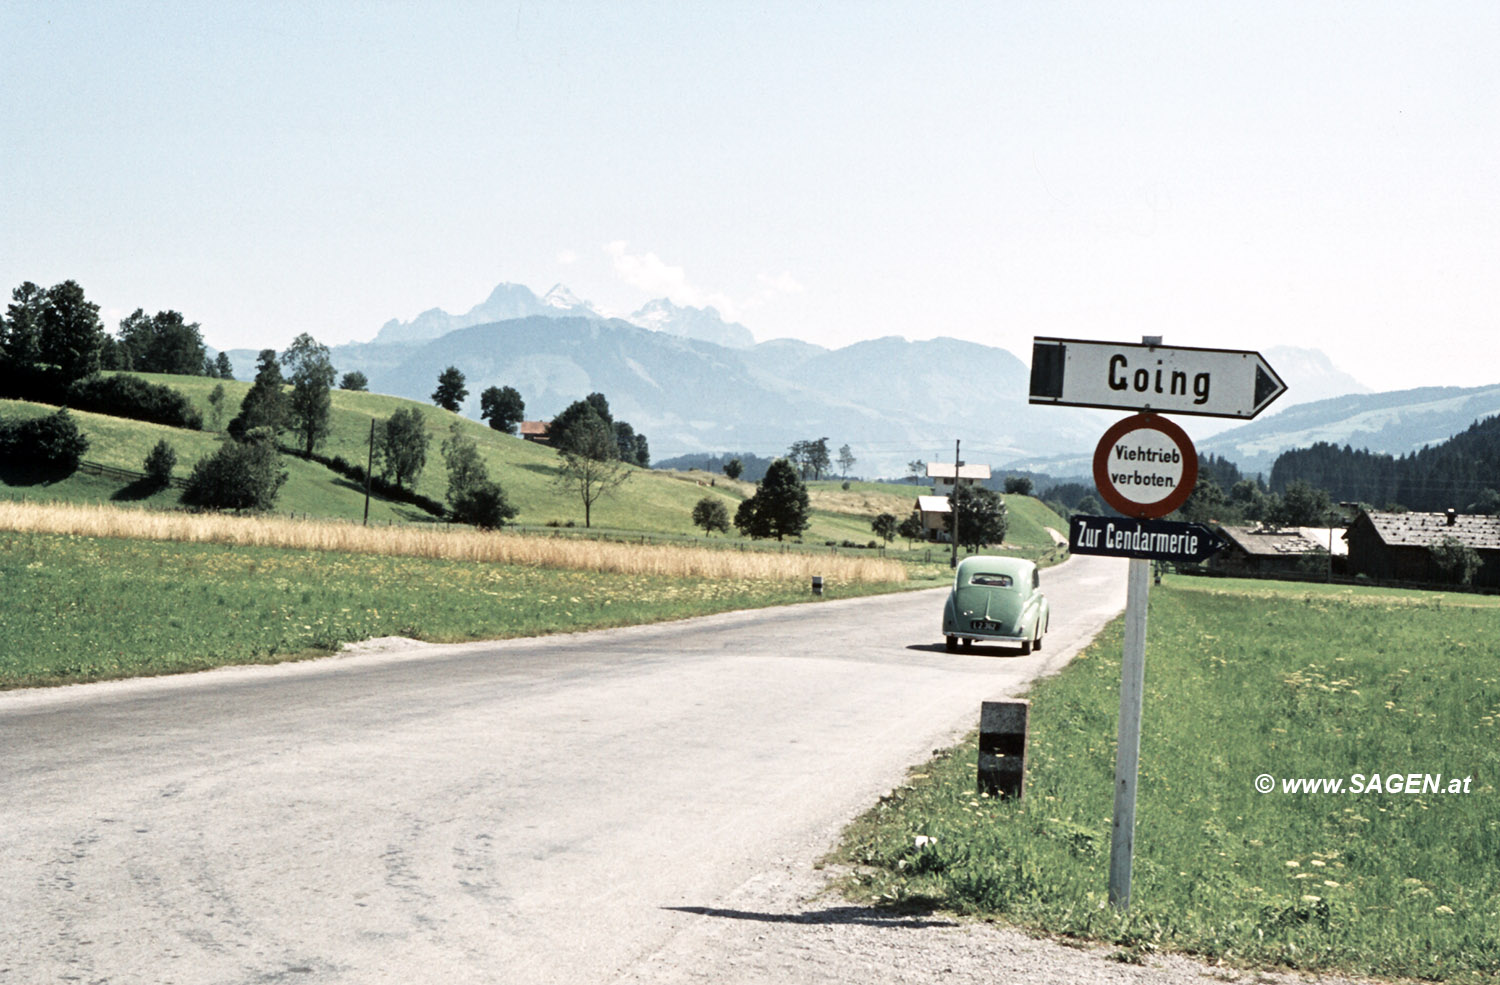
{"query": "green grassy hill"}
{"type": "Point", "coordinates": [651, 502]}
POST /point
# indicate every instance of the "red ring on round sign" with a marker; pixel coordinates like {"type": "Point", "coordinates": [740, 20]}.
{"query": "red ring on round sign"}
{"type": "Point", "coordinates": [1158, 508]}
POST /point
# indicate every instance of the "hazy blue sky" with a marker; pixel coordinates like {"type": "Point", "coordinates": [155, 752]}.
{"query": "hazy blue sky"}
{"type": "Point", "coordinates": [1240, 175]}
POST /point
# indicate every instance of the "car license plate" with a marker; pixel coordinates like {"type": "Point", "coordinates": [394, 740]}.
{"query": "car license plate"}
{"type": "Point", "coordinates": [983, 625]}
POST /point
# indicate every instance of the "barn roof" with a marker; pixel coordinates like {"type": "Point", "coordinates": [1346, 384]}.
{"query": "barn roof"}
{"type": "Point", "coordinates": [1284, 542]}
{"type": "Point", "coordinates": [1428, 529]}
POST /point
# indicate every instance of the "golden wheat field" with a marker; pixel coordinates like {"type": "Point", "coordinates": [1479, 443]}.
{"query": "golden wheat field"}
{"type": "Point", "coordinates": [447, 543]}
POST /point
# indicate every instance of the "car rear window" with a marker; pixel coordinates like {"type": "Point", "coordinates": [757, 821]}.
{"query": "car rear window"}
{"type": "Point", "coordinates": [992, 581]}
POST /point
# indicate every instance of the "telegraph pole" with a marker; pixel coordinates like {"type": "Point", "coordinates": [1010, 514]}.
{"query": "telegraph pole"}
{"type": "Point", "coordinates": [368, 469]}
{"type": "Point", "coordinates": [953, 505]}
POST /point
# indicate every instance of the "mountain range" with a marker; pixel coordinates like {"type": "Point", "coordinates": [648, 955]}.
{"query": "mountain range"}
{"type": "Point", "coordinates": [694, 382]}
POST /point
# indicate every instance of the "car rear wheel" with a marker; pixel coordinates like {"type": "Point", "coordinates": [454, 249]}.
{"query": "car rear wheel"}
{"type": "Point", "coordinates": [1036, 644]}
{"type": "Point", "coordinates": [950, 643]}
{"type": "Point", "coordinates": [1025, 647]}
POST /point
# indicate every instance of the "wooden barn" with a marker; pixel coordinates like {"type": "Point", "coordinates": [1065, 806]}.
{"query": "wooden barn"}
{"type": "Point", "coordinates": [1398, 546]}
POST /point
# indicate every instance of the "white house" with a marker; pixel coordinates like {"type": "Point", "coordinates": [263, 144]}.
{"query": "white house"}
{"type": "Point", "coordinates": [934, 509]}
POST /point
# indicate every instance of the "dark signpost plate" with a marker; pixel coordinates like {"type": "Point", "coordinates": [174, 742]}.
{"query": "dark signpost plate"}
{"type": "Point", "coordinates": [1148, 540]}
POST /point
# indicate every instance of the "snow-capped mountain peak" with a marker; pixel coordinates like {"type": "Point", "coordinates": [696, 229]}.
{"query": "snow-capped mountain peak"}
{"type": "Point", "coordinates": [562, 298]}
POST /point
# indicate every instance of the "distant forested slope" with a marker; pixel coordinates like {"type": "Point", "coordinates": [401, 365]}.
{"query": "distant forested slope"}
{"type": "Point", "coordinates": [1455, 473]}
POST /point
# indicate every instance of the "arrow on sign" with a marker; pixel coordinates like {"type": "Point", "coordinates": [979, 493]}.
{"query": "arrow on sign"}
{"type": "Point", "coordinates": [1149, 540]}
{"type": "Point", "coordinates": [1234, 383]}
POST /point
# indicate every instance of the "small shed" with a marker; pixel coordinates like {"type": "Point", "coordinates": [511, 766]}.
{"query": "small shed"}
{"type": "Point", "coordinates": [934, 511]}
{"type": "Point", "coordinates": [1398, 546]}
{"type": "Point", "coordinates": [536, 431]}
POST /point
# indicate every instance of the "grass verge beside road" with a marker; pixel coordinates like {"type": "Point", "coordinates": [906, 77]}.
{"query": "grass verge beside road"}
{"type": "Point", "coordinates": [83, 608]}
{"type": "Point", "coordinates": [1242, 679]}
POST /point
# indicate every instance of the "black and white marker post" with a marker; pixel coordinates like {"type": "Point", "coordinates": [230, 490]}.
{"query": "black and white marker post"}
{"type": "Point", "coordinates": [1145, 467]}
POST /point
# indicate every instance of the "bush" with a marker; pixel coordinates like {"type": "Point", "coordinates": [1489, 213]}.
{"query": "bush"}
{"type": "Point", "coordinates": [123, 395]}
{"type": "Point", "coordinates": [711, 514]}
{"type": "Point", "coordinates": [482, 504]}
{"type": "Point", "coordinates": [52, 443]}
{"type": "Point", "coordinates": [239, 476]}
{"type": "Point", "coordinates": [159, 463]}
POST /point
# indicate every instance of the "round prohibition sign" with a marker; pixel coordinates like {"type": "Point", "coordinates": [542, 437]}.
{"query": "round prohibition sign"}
{"type": "Point", "coordinates": [1133, 467]}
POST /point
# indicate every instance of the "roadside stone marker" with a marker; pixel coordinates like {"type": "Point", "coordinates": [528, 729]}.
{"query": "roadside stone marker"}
{"type": "Point", "coordinates": [1002, 747]}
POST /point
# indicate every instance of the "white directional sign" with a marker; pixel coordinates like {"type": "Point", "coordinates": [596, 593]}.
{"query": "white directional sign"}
{"type": "Point", "coordinates": [1138, 376]}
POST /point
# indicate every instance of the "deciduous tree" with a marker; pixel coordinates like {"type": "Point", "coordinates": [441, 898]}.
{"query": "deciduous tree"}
{"type": "Point", "coordinates": [401, 446]}
{"type": "Point", "coordinates": [71, 334]}
{"type": "Point", "coordinates": [216, 407]}
{"type": "Point", "coordinates": [450, 392]}
{"type": "Point", "coordinates": [884, 526]}
{"type": "Point", "coordinates": [846, 461]}
{"type": "Point", "coordinates": [311, 402]}
{"type": "Point", "coordinates": [590, 464]}
{"type": "Point", "coordinates": [1457, 560]}
{"type": "Point", "coordinates": [503, 407]}
{"type": "Point", "coordinates": [472, 495]}
{"type": "Point", "coordinates": [265, 404]}
{"type": "Point", "coordinates": [576, 424]}
{"type": "Point", "coordinates": [982, 517]}
{"type": "Point", "coordinates": [911, 528]}
{"type": "Point", "coordinates": [354, 380]}
{"type": "Point", "coordinates": [711, 514]}
{"type": "Point", "coordinates": [159, 463]}
{"type": "Point", "coordinates": [21, 340]}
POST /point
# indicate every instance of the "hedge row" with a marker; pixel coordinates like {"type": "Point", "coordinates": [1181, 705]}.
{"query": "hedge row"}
{"type": "Point", "coordinates": [120, 395]}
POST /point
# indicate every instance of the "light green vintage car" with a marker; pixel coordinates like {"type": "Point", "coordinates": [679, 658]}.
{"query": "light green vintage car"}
{"type": "Point", "coordinates": [996, 598]}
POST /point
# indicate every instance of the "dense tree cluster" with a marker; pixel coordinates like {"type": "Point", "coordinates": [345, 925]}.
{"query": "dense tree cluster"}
{"type": "Point", "coordinates": [810, 458]}
{"type": "Point", "coordinates": [57, 329]}
{"type": "Point", "coordinates": [576, 430]}
{"type": "Point", "coordinates": [161, 343]}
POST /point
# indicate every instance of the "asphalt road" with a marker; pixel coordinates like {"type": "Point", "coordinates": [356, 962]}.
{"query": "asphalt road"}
{"type": "Point", "coordinates": [563, 809]}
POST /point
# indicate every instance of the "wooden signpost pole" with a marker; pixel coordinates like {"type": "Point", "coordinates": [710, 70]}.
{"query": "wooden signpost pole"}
{"type": "Point", "coordinates": [1128, 754]}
